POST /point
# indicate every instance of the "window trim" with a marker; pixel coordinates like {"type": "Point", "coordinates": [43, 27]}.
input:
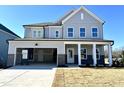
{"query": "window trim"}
{"type": "Point", "coordinates": [85, 32]}
{"type": "Point", "coordinates": [97, 32]}
{"type": "Point", "coordinates": [99, 53]}
{"type": "Point", "coordinates": [86, 54]}
{"type": "Point", "coordinates": [67, 32]}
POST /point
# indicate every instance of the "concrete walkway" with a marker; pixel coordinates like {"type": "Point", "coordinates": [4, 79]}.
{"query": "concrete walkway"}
{"type": "Point", "coordinates": [27, 76]}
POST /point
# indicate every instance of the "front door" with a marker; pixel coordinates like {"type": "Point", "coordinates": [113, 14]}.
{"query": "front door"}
{"type": "Point", "coordinates": [70, 55]}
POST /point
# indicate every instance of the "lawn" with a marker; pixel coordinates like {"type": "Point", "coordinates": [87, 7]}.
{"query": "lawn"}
{"type": "Point", "coordinates": [89, 77]}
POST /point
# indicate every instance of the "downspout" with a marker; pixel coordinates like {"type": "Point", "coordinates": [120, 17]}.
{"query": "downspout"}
{"type": "Point", "coordinates": [43, 31]}
{"type": "Point", "coordinates": [62, 31]}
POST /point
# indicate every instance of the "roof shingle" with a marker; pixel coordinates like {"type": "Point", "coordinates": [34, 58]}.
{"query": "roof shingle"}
{"type": "Point", "coordinates": [2, 27]}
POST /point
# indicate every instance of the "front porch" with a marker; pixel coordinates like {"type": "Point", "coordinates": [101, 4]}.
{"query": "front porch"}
{"type": "Point", "coordinates": [89, 53]}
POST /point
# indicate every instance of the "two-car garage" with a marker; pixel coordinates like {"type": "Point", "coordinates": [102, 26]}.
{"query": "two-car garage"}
{"type": "Point", "coordinates": [36, 56]}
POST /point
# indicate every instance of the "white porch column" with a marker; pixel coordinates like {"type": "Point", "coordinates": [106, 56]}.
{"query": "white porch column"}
{"type": "Point", "coordinates": [94, 55]}
{"type": "Point", "coordinates": [110, 55]}
{"type": "Point", "coordinates": [14, 57]}
{"type": "Point", "coordinates": [79, 54]}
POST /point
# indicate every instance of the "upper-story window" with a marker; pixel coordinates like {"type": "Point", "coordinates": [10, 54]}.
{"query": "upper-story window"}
{"type": "Point", "coordinates": [34, 33]}
{"type": "Point", "coordinates": [57, 34]}
{"type": "Point", "coordinates": [37, 34]}
{"type": "Point", "coordinates": [70, 32]}
{"type": "Point", "coordinates": [94, 32]}
{"type": "Point", "coordinates": [82, 32]}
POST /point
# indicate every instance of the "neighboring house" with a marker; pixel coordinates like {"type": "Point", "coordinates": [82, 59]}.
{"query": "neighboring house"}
{"type": "Point", "coordinates": [77, 38]}
{"type": "Point", "coordinates": [5, 34]}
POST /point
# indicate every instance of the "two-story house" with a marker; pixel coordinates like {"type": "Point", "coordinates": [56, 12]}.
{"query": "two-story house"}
{"type": "Point", "coordinates": [77, 38]}
{"type": "Point", "coordinates": [5, 34]}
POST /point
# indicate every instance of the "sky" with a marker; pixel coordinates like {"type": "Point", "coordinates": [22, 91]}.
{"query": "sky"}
{"type": "Point", "coordinates": [14, 17]}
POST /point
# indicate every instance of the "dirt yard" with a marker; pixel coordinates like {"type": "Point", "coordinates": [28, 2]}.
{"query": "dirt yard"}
{"type": "Point", "coordinates": [89, 77]}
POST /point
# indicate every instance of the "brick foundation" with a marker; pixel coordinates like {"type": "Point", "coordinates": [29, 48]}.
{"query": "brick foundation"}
{"type": "Point", "coordinates": [10, 61]}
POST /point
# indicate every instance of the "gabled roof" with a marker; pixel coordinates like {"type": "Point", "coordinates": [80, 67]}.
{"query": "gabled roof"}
{"type": "Point", "coordinates": [65, 18]}
{"type": "Point", "coordinates": [57, 23]}
{"type": "Point", "coordinates": [85, 9]}
{"type": "Point", "coordinates": [43, 24]}
{"type": "Point", "coordinates": [3, 28]}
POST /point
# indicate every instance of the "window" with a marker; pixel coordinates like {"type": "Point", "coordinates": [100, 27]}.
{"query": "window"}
{"type": "Point", "coordinates": [94, 32]}
{"type": "Point", "coordinates": [70, 32]}
{"type": "Point", "coordinates": [34, 34]}
{"type": "Point", "coordinates": [57, 33]}
{"type": "Point", "coordinates": [97, 54]}
{"type": "Point", "coordinates": [82, 16]}
{"type": "Point", "coordinates": [83, 53]}
{"type": "Point", "coordinates": [37, 34]}
{"type": "Point", "coordinates": [82, 32]}
{"type": "Point", "coordinates": [24, 54]}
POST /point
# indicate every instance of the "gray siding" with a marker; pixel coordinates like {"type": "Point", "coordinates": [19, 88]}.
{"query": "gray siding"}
{"type": "Point", "coordinates": [88, 22]}
{"type": "Point", "coordinates": [52, 32]}
{"type": "Point", "coordinates": [28, 33]}
{"type": "Point", "coordinates": [75, 21]}
{"type": "Point", "coordinates": [4, 45]}
{"type": "Point", "coordinates": [46, 32]}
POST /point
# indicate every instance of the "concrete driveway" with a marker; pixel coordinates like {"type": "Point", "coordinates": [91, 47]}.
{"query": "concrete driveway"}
{"type": "Point", "coordinates": [27, 76]}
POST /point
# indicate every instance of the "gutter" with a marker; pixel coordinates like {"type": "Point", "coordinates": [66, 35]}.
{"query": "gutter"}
{"type": "Point", "coordinates": [44, 31]}
{"type": "Point", "coordinates": [112, 43]}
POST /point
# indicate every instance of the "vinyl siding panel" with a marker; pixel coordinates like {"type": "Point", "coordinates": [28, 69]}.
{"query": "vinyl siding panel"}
{"type": "Point", "coordinates": [52, 32]}
{"type": "Point", "coordinates": [29, 32]}
{"type": "Point", "coordinates": [88, 22]}
{"type": "Point", "coordinates": [4, 45]}
{"type": "Point", "coordinates": [46, 32]}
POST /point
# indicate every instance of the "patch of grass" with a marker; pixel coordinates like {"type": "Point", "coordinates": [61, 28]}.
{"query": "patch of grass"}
{"type": "Point", "coordinates": [89, 77]}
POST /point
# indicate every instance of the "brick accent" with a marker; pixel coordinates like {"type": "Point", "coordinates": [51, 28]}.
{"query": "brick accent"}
{"type": "Point", "coordinates": [10, 61]}
{"type": "Point", "coordinates": [101, 61]}
{"type": "Point", "coordinates": [61, 60]}
{"type": "Point", "coordinates": [89, 60]}
{"type": "Point", "coordinates": [76, 59]}
{"type": "Point", "coordinates": [18, 59]}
